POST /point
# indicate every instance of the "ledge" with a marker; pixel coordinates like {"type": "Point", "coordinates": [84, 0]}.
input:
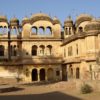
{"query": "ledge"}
{"type": "Point", "coordinates": [79, 36]}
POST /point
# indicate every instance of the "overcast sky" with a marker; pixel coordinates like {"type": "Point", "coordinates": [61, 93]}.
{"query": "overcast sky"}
{"type": "Point", "coordinates": [59, 8]}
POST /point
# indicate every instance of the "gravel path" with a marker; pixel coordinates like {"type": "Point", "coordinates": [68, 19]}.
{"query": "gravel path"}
{"type": "Point", "coordinates": [55, 91]}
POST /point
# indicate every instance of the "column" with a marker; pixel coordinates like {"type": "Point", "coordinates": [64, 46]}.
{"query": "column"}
{"type": "Point", "coordinates": [38, 73]}
{"type": "Point", "coordinates": [46, 78]}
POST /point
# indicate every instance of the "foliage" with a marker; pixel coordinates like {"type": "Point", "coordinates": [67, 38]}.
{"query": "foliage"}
{"type": "Point", "coordinates": [86, 89]}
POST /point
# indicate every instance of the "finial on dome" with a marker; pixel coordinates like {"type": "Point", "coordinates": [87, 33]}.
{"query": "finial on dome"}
{"type": "Point", "coordinates": [40, 11]}
{"type": "Point", "coordinates": [69, 17]}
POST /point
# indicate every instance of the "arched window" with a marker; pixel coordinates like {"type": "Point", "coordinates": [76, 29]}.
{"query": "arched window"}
{"type": "Point", "coordinates": [80, 29]}
{"type": "Point", "coordinates": [42, 47]}
{"type": "Point", "coordinates": [1, 30]}
{"type": "Point", "coordinates": [71, 71]}
{"type": "Point", "coordinates": [66, 31]}
{"type": "Point", "coordinates": [50, 74]}
{"type": "Point", "coordinates": [20, 29]}
{"type": "Point", "coordinates": [34, 50]}
{"type": "Point", "coordinates": [1, 50]}
{"type": "Point", "coordinates": [34, 30]}
{"type": "Point", "coordinates": [5, 29]}
{"type": "Point", "coordinates": [49, 50]}
{"type": "Point", "coordinates": [70, 51]}
{"type": "Point", "coordinates": [77, 73]}
{"type": "Point", "coordinates": [64, 52]}
{"type": "Point", "coordinates": [14, 31]}
{"type": "Point", "coordinates": [69, 31]}
{"type": "Point", "coordinates": [48, 31]}
{"type": "Point", "coordinates": [41, 30]}
{"type": "Point", "coordinates": [13, 50]}
{"type": "Point", "coordinates": [42, 74]}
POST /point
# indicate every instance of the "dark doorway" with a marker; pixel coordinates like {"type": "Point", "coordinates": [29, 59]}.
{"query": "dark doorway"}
{"type": "Point", "coordinates": [64, 72]}
{"type": "Point", "coordinates": [34, 75]}
{"type": "Point", "coordinates": [77, 73]}
{"type": "Point", "coordinates": [42, 74]}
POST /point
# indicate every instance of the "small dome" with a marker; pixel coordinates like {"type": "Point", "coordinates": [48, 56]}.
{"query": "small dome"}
{"type": "Point", "coordinates": [83, 17]}
{"type": "Point", "coordinates": [3, 18]}
{"type": "Point", "coordinates": [40, 16]}
{"type": "Point", "coordinates": [25, 20]}
{"type": "Point", "coordinates": [14, 22]}
{"type": "Point", "coordinates": [94, 25]}
{"type": "Point", "coordinates": [56, 20]}
{"type": "Point", "coordinates": [68, 22]}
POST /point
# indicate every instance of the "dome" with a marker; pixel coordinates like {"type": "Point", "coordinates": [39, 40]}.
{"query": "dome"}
{"type": "Point", "coordinates": [3, 18]}
{"type": "Point", "coordinates": [56, 20]}
{"type": "Point", "coordinates": [92, 26]}
{"type": "Point", "coordinates": [25, 20]}
{"type": "Point", "coordinates": [83, 17]}
{"type": "Point", "coordinates": [40, 16]}
{"type": "Point", "coordinates": [68, 22]}
{"type": "Point", "coordinates": [14, 21]}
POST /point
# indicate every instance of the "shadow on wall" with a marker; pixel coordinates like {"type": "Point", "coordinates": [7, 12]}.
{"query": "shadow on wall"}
{"type": "Point", "coordinates": [46, 96]}
{"type": "Point", "coordinates": [16, 63]}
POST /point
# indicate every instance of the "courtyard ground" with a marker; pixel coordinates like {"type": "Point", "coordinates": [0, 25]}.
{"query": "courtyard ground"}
{"type": "Point", "coordinates": [48, 91]}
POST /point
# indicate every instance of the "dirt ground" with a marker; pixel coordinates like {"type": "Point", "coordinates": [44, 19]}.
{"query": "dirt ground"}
{"type": "Point", "coordinates": [52, 91]}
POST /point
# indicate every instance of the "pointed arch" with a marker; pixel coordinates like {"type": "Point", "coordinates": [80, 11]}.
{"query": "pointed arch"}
{"type": "Point", "coordinates": [48, 30]}
{"type": "Point", "coordinates": [49, 50]}
{"type": "Point", "coordinates": [14, 31]}
{"type": "Point", "coordinates": [13, 49]}
{"type": "Point", "coordinates": [50, 74]}
{"type": "Point", "coordinates": [80, 29]}
{"type": "Point", "coordinates": [5, 30]}
{"type": "Point", "coordinates": [42, 48]}
{"type": "Point", "coordinates": [34, 50]}
{"type": "Point", "coordinates": [41, 30]}
{"type": "Point", "coordinates": [34, 30]}
{"type": "Point", "coordinates": [34, 75]}
{"type": "Point", "coordinates": [77, 73]}
{"type": "Point", "coordinates": [42, 74]}
{"type": "Point", "coordinates": [2, 49]}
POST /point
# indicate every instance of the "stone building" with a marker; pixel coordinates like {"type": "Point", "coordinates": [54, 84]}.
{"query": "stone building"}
{"type": "Point", "coordinates": [37, 49]}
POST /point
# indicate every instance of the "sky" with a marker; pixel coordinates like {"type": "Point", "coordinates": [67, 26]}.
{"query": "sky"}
{"type": "Point", "coordinates": [59, 8]}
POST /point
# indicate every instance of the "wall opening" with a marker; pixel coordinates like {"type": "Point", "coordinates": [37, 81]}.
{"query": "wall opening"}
{"type": "Point", "coordinates": [42, 74]}
{"type": "Point", "coordinates": [34, 50]}
{"type": "Point", "coordinates": [77, 73]}
{"type": "Point", "coordinates": [1, 50]}
{"type": "Point", "coordinates": [50, 74]}
{"type": "Point", "coordinates": [34, 75]}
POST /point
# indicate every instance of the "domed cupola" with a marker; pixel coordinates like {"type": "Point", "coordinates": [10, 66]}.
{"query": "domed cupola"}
{"type": "Point", "coordinates": [81, 18]}
{"type": "Point", "coordinates": [98, 20]}
{"type": "Point", "coordinates": [68, 27]}
{"type": "Point", "coordinates": [93, 26]}
{"type": "Point", "coordinates": [3, 18]}
{"type": "Point", "coordinates": [68, 22]}
{"type": "Point", "coordinates": [14, 22]}
{"type": "Point", "coordinates": [56, 20]}
{"type": "Point", "coordinates": [25, 20]}
{"type": "Point", "coordinates": [40, 16]}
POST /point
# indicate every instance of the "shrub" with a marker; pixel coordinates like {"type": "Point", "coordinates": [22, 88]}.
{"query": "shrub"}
{"type": "Point", "coordinates": [86, 89]}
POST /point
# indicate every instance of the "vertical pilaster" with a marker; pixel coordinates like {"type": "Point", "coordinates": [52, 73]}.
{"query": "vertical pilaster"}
{"type": "Point", "coordinates": [38, 73]}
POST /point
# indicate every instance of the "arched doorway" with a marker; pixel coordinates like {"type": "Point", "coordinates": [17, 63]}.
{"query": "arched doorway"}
{"type": "Point", "coordinates": [34, 75]}
{"type": "Point", "coordinates": [50, 74]}
{"type": "Point", "coordinates": [42, 74]}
